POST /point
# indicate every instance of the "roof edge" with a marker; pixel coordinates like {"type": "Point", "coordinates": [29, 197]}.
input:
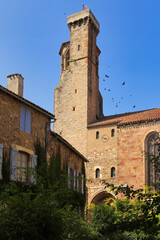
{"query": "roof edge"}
{"type": "Point", "coordinates": [69, 145]}
{"type": "Point", "coordinates": [27, 102]}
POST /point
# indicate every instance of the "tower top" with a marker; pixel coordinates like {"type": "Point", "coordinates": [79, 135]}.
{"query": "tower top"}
{"type": "Point", "coordinates": [80, 16]}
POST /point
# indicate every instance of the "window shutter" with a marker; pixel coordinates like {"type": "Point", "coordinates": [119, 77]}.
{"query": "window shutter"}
{"type": "Point", "coordinates": [77, 182]}
{"type": "Point", "coordinates": [74, 180]}
{"type": "Point", "coordinates": [28, 121]}
{"type": "Point", "coordinates": [69, 177]}
{"type": "Point", "coordinates": [13, 164]}
{"type": "Point", "coordinates": [82, 183]}
{"type": "Point", "coordinates": [1, 159]}
{"type": "Point", "coordinates": [33, 166]}
{"type": "Point", "coordinates": [22, 118]}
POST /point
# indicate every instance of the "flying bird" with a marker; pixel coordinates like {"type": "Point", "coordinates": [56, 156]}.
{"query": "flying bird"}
{"type": "Point", "coordinates": [116, 104]}
{"type": "Point", "coordinates": [106, 76]}
{"type": "Point", "coordinates": [104, 88]}
{"type": "Point", "coordinates": [103, 80]}
{"type": "Point", "coordinates": [123, 83]}
{"type": "Point", "coordinates": [109, 90]}
{"type": "Point", "coordinates": [112, 99]}
{"type": "Point", "coordinates": [134, 106]}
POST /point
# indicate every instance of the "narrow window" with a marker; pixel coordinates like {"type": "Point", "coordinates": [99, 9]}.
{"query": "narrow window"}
{"type": "Point", "coordinates": [79, 47]}
{"type": "Point", "coordinates": [113, 172]}
{"type": "Point", "coordinates": [112, 133]}
{"type": "Point", "coordinates": [25, 120]}
{"type": "Point", "coordinates": [74, 108]}
{"type": "Point", "coordinates": [97, 135]}
{"type": "Point", "coordinates": [75, 90]}
{"type": "Point", "coordinates": [67, 58]}
{"type": "Point", "coordinates": [97, 173]}
{"type": "Point", "coordinates": [23, 165]}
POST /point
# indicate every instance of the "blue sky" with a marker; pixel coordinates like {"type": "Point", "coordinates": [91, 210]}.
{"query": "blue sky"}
{"type": "Point", "coordinates": [32, 31]}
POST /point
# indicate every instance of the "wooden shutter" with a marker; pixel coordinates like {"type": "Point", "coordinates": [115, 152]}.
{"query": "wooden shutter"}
{"type": "Point", "coordinates": [82, 184]}
{"type": "Point", "coordinates": [22, 118]}
{"type": "Point", "coordinates": [69, 177]}
{"type": "Point", "coordinates": [1, 159]}
{"type": "Point", "coordinates": [33, 166]}
{"type": "Point", "coordinates": [13, 164]}
{"type": "Point", "coordinates": [74, 180]}
{"type": "Point", "coordinates": [78, 182]}
{"type": "Point", "coordinates": [28, 121]}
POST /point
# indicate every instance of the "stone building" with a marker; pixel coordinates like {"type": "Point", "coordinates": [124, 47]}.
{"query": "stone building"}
{"type": "Point", "coordinates": [112, 144]}
{"type": "Point", "coordinates": [22, 123]}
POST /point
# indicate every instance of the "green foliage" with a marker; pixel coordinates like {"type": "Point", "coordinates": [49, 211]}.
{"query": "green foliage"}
{"type": "Point", "coordinates": [32, 212]}
{"type": "Point", "coordinates": [47, 210]}
{"type": "Point", "coordinates": [135, 217]}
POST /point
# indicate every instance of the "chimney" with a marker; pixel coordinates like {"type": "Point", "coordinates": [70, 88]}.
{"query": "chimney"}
{"type": "Point", "coordinates": [15, 83]}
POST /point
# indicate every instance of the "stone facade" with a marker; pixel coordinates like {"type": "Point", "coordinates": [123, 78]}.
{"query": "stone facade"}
{"type": "Point", "coordinates": [11, 135]}
{"type": "Point", "coordinates": [112, 144]}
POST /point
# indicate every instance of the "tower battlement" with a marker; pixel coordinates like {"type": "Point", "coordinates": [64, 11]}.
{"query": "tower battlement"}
{"type": "Point", "coordinates": [81, 17]}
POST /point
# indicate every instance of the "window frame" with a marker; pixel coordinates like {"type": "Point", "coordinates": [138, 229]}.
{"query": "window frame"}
{"type": "Point", "coordinates": [25, 119]}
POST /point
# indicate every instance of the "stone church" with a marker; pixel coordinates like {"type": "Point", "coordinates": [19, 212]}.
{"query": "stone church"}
{"type": "Point", "coordinates": [114, 145]}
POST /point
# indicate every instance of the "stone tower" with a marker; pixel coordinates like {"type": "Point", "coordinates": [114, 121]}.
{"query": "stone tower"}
{"type": "Point", "coordinates": [77, 100]}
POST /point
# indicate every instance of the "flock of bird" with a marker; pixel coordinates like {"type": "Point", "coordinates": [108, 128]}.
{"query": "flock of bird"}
{"type": "Point", "coordinates": [113, 100]}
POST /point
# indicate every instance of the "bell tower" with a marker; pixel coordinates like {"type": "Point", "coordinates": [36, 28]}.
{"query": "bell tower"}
{"type": "Point", "coordinates": [77, 100]}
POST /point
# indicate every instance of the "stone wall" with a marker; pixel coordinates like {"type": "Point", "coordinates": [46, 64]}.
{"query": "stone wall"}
{"type": "Point", "coordinates": [11, 135]}
{"type": "Point", "coordinates": [131, 147]}
{"type": "Point", "coordinates": [74, 103]}
{"type": "Point", "coordinates": [101, 154]}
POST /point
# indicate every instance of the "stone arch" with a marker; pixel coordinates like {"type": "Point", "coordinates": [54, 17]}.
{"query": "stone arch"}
{"type": "Point", "coordinates": [100, 196]}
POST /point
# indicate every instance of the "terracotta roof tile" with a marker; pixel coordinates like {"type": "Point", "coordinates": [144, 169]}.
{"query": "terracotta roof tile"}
{"type": "Point", "coordinates": [128, 118]}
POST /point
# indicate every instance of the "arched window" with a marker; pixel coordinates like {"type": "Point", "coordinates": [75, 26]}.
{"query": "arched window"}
{"type": "Point", "coordinates": [112, 133]}
{"type": "Point", "coordinates": [113, 172]}
{"type": "Point", "coordinates": [97, 173]}
{"type": "Point", "coordinates": [67, 58]}
{"type": "Point", "coordinates": [152, 155]}
{"type": "Point", "coordinates": [97, 135]}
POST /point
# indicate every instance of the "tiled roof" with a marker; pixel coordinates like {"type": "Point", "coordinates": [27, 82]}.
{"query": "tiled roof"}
{"type": "Point", "coordinates": [27, 102]}
{"type": "Point", "coordinates": [128, 118]}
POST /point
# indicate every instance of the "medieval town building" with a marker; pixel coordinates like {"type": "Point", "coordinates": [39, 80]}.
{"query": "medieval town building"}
{"type": "Point", "coordinates": [22, 124]}
{"type": "Point", "coordinates": [114, 145]}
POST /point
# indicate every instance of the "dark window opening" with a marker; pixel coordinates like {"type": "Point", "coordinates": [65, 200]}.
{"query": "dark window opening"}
{"type": "Point", "coordinates": [112, 133]}
{"type": "Point", "coordinates": [74, 108]}
{"type": "Point", "coordinates": [97, 173]}
{"type": "Point", "coordinates": [67, 58]}
{"type": "Point", "coordinates": [79, 47]}
{"type": "Point", "coordinates": [75, 90]}
{"type": "Point", "coordinates": [113, 172]}
{"type": "Point", "coordinates": [97, 135]}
